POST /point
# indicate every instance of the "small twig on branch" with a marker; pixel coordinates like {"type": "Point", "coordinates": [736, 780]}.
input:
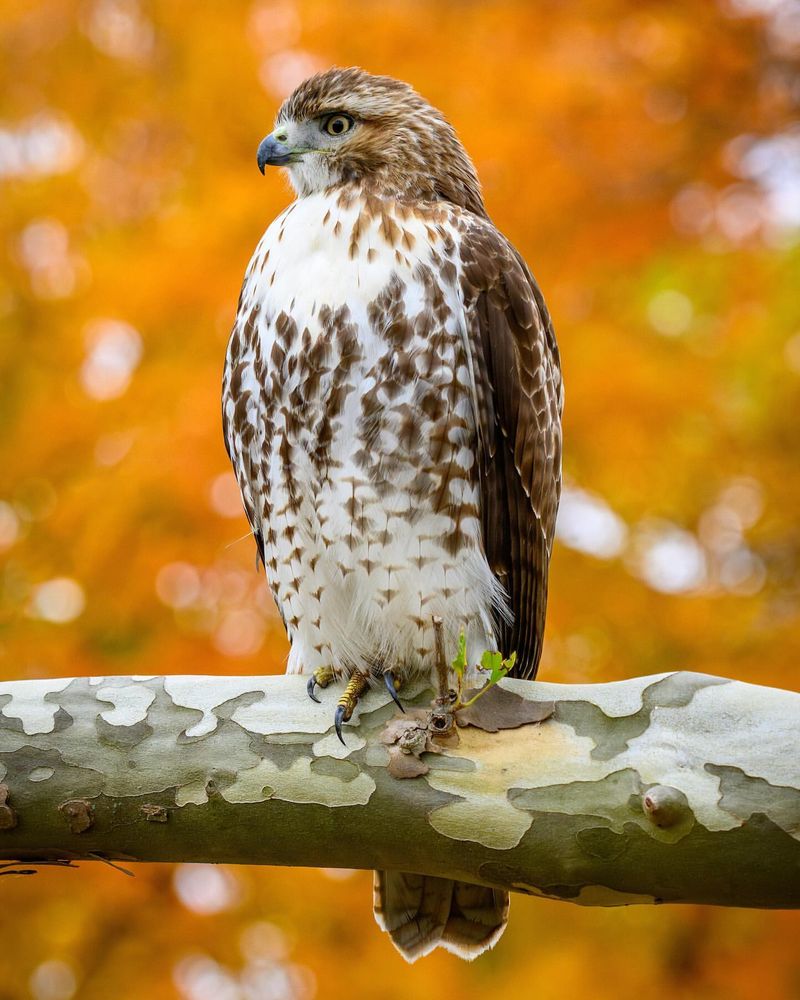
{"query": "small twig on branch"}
{"type": "Point", "coordinates": [442, 721]}
{"type": "Point", "coordinates": [442, 671]}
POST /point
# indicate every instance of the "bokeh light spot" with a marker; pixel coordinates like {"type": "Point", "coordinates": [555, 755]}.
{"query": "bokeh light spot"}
{"type": "Point", "coordinates": [240, 633]}
{"type": "Point", "coordinates": [206, 888]}
{"type": "Point", "coordinates": [60, 600]}
{"type": "Point", "coordinates": [670, 313]}
{"type": "Point", "coordinates": [668, 558]}
{"type": "Point", "coordinates": [53, 980]}
{"type": "Point", "coordinates": [9, 525]}
{"type": "Point", "coordinates": [178, 585]}
{"type": "Point", "coordinates": [225, 497]}
{"type": "Point", "coordinates": [114, 349]}
{"type": "Point", "coordinates": [586, 523]}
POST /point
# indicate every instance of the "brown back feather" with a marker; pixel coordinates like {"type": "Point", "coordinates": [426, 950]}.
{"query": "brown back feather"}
{"type": "Point", "coordinates": [519, 396]}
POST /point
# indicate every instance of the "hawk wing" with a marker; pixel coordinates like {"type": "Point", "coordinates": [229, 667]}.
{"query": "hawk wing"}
{"type": "Point", "coordinates": [241, 417]}
{"type": "Point", "coordinates": [519, 398]}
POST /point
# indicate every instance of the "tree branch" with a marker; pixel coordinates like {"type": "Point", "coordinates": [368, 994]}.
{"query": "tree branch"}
{"type": "Point", "coordinates": [679, 787]}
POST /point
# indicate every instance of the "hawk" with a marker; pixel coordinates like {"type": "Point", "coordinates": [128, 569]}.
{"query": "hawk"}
{"type": "Point", "coordinates": [392, 404]}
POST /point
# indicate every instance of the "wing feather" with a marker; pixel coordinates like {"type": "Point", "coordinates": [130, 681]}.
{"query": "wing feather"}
{"type": "Point", "coordinates": [241, 394]}
{"type": "Point", "coordinates": [519, 398]}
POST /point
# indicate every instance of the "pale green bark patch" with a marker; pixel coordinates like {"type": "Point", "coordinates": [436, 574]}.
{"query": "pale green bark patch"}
{"type": "Point", "coordinates": [300, 783]}
{"type": "Point", "coordinates": [485, 820]}
{"type": "Point", "coordinates": [41, 773]}
{"type": "Point", "coordinates": [618, 798]}
{"type": "Point", "coordinates": [742, 795]}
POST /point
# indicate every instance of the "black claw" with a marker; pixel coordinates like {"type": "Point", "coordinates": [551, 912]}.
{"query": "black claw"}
{"type": "Point", "coordinates": [312, 683]}
{"type": "Point", "coordinates": [388, 680]}
{"type": "Point", "coordinates": [338, 719]}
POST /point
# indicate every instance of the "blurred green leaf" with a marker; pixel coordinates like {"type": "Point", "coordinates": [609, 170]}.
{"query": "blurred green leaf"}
{"type": "Point", "coordinates": [459, 664]}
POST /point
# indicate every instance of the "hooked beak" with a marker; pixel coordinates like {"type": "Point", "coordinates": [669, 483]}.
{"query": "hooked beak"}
{"type": "Point", "coordinates": [273, 153]}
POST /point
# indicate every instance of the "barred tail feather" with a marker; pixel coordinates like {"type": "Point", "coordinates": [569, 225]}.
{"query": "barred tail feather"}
{"type": "Point", "coordinates": [422, 912]}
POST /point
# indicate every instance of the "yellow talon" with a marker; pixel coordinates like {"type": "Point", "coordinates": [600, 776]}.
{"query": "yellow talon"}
{"type": "Point", "coordinates": [322, 676]}
{"type": "Point", "coordinates": [345, 706]}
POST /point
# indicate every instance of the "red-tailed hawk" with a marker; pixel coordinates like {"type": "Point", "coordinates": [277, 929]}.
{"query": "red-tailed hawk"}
{"type": "Point", "coordinates": [392, 408]}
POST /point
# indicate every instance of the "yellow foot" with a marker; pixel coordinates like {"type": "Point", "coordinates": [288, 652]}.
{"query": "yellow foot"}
{"type": "Point", "coordinates": [322, 676]}
{"type": "Point", "coordinates": [356, 686]}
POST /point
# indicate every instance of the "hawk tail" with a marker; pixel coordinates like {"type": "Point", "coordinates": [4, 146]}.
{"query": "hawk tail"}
{"type": "Point", "coordinates": [422, 912]}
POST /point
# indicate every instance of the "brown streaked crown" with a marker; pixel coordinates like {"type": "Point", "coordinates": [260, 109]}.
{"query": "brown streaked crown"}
{"type": "Point", "coordinates": [402, 144]}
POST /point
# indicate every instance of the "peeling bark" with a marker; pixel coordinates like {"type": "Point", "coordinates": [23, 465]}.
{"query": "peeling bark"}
{"type": "Point", "coordinates": [675, 788]}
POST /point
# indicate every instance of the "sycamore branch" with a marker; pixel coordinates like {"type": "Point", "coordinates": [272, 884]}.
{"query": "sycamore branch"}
{"type": "Point", "coordinates": [679, 787]}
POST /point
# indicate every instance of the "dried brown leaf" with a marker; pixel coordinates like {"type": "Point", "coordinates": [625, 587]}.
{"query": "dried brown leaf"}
{"type": "Point", "coordinates": [502, 709]}
{"type": "Point", "coordinates": [405, 765]}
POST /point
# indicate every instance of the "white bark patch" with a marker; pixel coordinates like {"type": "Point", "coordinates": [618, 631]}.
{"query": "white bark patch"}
{"type": "Point", "coordinates": [268, 717]}
{"type": "Point", "coordinates": [130, 701]}
{"type": "Point", "coordinates": [329, 746]}
{"type": "Point", "coordinates": [299, 783]}
{"type": "Point", "coordinates": [760, 712]}
{"type": "Point", "coordinates": [616, 699]}
{"type": "Point", "coordinates": [28, 705]}
{"type": "Point", "coordinates": [205, 694]}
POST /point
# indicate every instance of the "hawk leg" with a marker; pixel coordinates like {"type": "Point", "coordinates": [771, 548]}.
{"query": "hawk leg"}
{"type": "Point", "coordinates": [322, 676]}
{"type": "Point", "coordinates": [356, 686]}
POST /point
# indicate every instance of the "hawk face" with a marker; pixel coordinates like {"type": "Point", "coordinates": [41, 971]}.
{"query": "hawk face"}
{"type": "Point", "coordinates": [345, 126]}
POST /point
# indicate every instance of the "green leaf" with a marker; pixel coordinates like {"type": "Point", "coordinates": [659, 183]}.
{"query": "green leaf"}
{"type": "Point", "coordinates": [496, 665]}
{"type": "Point", "coordinates": [491, 661]}
{"type": "Point", "coordinates": [459, 664]}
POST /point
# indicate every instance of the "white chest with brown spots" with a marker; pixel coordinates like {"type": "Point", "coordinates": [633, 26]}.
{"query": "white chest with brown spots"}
{"type": "Point", "coordinates": [350, 419]}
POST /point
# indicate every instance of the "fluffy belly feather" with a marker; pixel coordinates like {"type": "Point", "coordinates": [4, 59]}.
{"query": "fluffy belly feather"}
{"type": "Point", "coordinates": [354, 437]}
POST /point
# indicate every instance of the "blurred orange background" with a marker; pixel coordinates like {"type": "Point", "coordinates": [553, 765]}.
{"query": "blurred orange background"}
{"type": "Point", "coordinates": [645, 158]}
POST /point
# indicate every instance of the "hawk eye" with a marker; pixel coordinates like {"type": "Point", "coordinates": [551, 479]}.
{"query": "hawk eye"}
{"type": "Point", "coordinates": [337, 124]}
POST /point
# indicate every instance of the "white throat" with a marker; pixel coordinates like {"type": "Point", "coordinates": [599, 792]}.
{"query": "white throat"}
{"type": "Point", "coordinates": [311, 174]}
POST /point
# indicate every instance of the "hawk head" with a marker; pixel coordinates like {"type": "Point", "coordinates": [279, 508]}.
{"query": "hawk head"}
{"type": "Point", "coordinates": [347, 126]}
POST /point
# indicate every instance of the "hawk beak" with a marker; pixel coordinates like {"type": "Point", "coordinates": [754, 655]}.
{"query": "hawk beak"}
{"type": "Point", "coordinates": [273, 153]}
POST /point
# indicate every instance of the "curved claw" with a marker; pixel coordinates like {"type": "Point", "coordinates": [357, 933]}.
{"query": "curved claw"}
{"type": "Point", "coordinates": [388, 680]}
{"type": "Point", "coordinates": [338, 719]}
{"type": "Point", "coordinates": [312, 683]}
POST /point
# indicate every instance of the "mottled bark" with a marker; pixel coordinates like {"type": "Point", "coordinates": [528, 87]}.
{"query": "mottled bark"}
{"type": "Point", "coordinates": [675, 788]}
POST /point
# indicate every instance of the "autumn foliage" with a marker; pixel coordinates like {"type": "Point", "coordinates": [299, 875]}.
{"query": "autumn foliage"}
{"type": "Point", "coordinates": [645, 158]}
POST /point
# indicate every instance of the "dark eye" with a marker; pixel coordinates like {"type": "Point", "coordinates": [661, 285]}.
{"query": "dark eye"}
{"type": "Point", "coordinates": [337, 124]}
